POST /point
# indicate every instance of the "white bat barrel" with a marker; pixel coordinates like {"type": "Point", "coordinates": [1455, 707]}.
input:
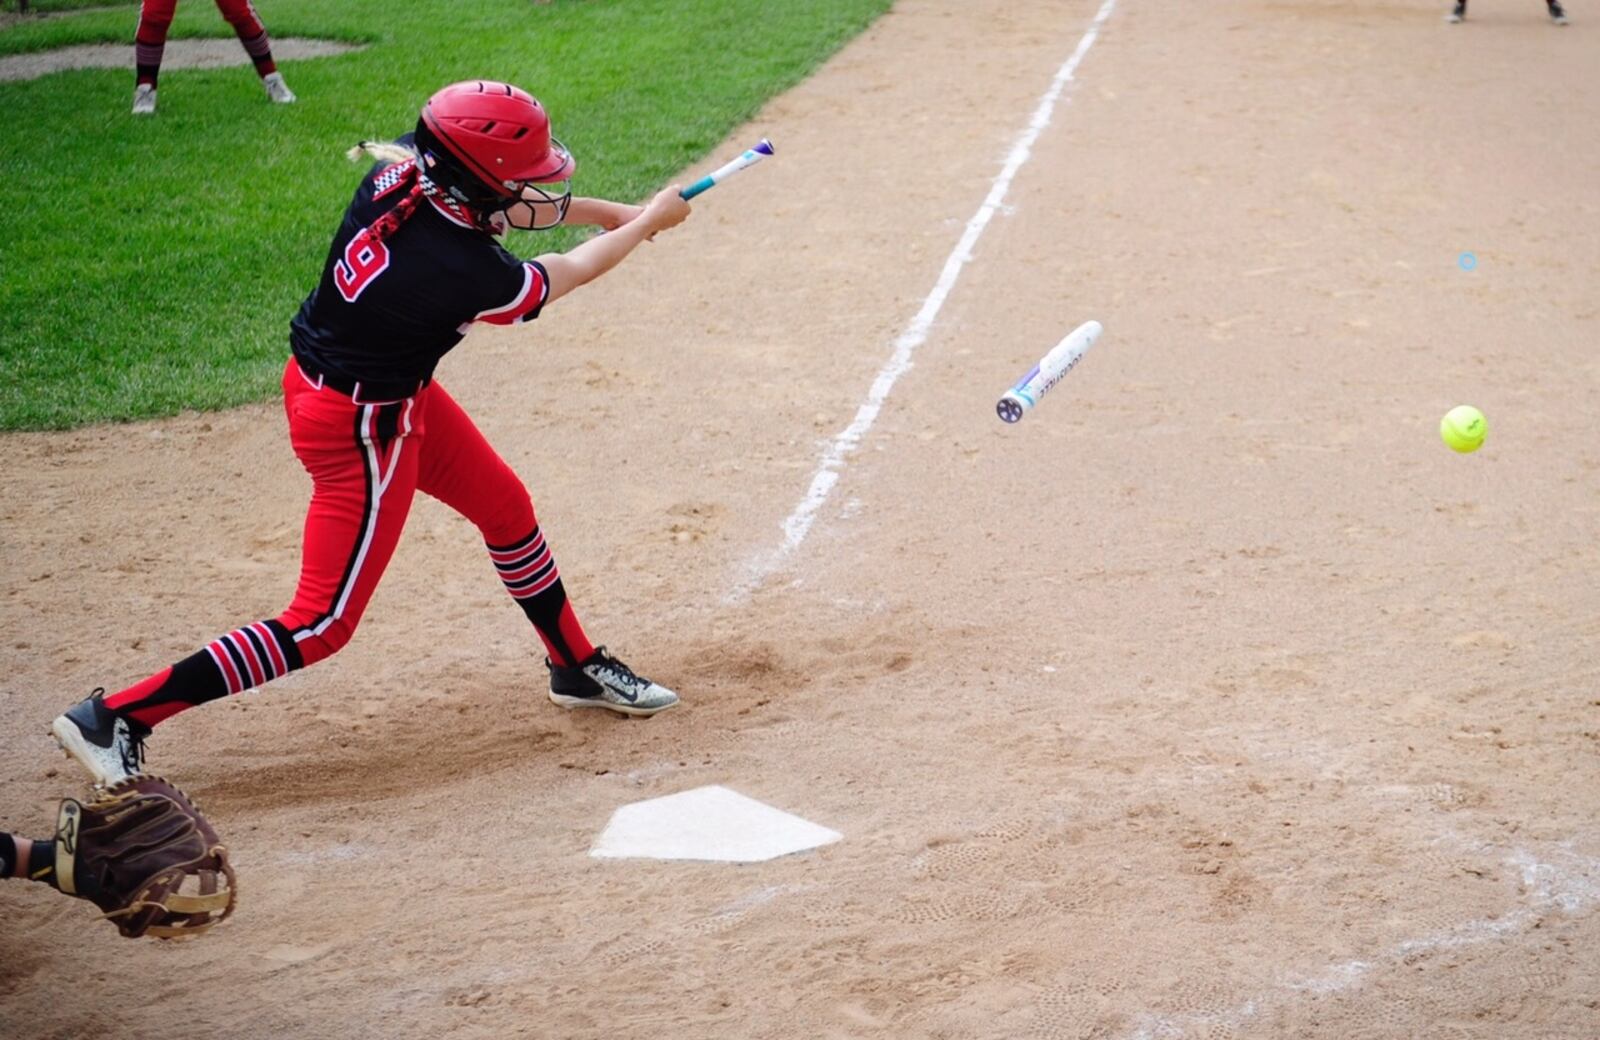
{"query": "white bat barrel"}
{"type": "Point", "coordinates": [747, 159]}
{"type": "Point", "coordinates": [1051, 369]}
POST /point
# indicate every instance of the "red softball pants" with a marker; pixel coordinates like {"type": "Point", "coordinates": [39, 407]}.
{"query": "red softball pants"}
{"type": "Point", "coordinates": [155, 17]}
{"type": "Point", "coordinates": [367, 461]}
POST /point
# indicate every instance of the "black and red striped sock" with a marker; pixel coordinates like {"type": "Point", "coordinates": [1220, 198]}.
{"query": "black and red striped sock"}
{"type": "Point", "coordinates": [150, 40]}
{"type": "Point", "coordinates": [260, 50]}
{"type": "Point", "coordinates": [529, 573]}
{"type": "Point", "coordinates": [147, 59]}
{"type": "Point", "coordinates": [252, 34]}
{"type": "Point", "coordinates": [249, 656]}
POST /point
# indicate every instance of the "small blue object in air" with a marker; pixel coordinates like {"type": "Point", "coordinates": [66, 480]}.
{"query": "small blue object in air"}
{"type": "Point", "coordinates": [1467, 261]}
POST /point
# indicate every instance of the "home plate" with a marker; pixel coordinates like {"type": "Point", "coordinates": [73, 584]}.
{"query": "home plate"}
{"type": "Point", "coordinates": [707, 823]}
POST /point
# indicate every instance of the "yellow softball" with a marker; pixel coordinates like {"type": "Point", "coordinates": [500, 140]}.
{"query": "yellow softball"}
{"type": "Point", "coordinates": [1464, 428]}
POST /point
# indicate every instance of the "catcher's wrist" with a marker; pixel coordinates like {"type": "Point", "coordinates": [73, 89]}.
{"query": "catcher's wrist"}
{"type": "Point", "coordinates": [25, 858]}
{"type": "Point", "coordinates": [42, 862]}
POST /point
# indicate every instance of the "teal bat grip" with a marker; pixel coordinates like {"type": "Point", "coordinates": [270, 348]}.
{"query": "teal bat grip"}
{"type": "Point", "coordinates": [696, 188]}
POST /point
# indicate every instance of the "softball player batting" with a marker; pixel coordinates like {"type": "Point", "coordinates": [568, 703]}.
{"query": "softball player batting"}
{"type": "Point", "coordinates": [414, 263]}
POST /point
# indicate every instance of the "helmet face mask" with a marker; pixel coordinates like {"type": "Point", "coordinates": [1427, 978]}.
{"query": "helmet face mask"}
{"type": "Point", "coordinates": [538, 207]}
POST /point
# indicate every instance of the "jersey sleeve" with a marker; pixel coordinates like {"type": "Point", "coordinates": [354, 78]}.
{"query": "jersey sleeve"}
{"type": "Point", "coordinates": [519, 290]}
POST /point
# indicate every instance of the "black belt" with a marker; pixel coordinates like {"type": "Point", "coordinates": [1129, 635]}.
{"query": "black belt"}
{"type": "Point", "coordinates": [362, 391]}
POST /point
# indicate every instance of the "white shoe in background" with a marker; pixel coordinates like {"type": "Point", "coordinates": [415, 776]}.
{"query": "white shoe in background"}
{"type": "Point", "coordinates": [277, 90]}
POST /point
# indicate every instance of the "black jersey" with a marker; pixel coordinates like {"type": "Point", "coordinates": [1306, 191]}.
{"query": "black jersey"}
{"type": "Point", "coordinates": [389, 310]}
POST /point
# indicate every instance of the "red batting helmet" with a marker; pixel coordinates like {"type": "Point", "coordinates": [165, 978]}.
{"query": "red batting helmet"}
{"type": "Point", "coordinates": [489, 139]}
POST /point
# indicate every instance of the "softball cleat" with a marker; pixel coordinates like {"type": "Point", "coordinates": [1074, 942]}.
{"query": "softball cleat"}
{"type": "Point", "coordinates": [278, 91]}
{"type": "Point", "coordinates": [605, 682]}
{"type": "Point", "coordinates": [109, 746]}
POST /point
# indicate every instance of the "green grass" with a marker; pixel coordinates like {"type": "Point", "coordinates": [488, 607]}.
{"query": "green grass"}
{"type": "Point", "coordinates": [151, 265]}
{"type": "Point", "coordinates": [49, 6]}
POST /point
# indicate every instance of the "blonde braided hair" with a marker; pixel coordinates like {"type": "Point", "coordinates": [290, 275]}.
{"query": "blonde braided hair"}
{"type": "Point", "coordinates": [395, 154]}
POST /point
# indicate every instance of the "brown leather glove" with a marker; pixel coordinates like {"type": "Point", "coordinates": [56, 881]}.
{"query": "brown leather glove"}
{"type": "Point", "coordinates": [144, 855]}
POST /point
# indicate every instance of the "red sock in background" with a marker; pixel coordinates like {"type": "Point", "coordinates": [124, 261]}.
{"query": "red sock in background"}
{"type": "Point", "coordinates": [155, 18]}
{"type": "Point", "coordinates": [251, 32]}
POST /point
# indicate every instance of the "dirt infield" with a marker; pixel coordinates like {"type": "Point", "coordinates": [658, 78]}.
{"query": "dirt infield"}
{"type": "Point", "coordinates": [178, 54]}
{"type": "Point", "coordinates": [1215, 700]}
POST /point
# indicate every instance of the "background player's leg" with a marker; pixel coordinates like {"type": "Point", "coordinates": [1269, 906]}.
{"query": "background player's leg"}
{"type": "Point", "coordinates": [363, 461]}
{"type": "Point", "coordinates": [253, 35]}
{"type": "Point", "coordinates": [463, 471]}
{"type": "Point", "coordinates": [155, 18]}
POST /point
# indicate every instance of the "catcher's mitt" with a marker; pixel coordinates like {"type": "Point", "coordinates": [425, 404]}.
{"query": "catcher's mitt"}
{"type": "Point", "coordinates": [133, 850]}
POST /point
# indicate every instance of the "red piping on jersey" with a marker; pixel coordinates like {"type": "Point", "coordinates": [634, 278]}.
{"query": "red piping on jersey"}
{"type": "Point", "coordinates": [532, 297]}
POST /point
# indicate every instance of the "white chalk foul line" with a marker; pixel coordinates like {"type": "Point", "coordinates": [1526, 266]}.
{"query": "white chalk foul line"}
{"type": "Point", "coordinates": [1572, 887]}
{"type": "Point", "coordinates": [798, 525]}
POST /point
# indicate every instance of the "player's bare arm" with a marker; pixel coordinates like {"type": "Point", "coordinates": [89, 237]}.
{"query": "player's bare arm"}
{"type": "Point", "coordinates": [601, 213]}
{"type": "Point", "coordinates": [588, 261]}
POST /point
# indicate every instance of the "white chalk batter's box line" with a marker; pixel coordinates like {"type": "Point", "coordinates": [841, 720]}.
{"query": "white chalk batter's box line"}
{"type": "Point", "coordinates": [1549, 878]}
{"type": "Point", "coordinates": [1570, 888]}
{"type": "Point", "coordinates": [1561, 879]}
